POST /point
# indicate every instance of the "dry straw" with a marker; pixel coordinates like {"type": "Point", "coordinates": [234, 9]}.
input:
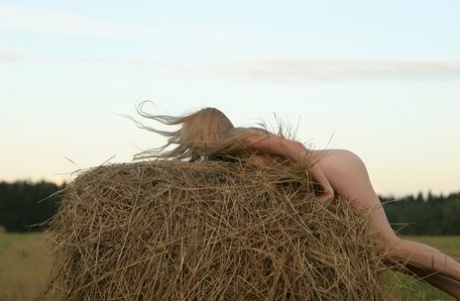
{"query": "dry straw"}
{"type": "Point", "coordinates": [172, 230]}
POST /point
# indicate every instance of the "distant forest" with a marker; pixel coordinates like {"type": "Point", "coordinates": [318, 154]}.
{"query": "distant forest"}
{"type": "Point", "coordinates": [25, 206]}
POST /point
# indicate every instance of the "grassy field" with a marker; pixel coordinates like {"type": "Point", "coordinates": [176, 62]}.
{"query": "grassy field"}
{"type": "Point", "coordinates": [25, 264]}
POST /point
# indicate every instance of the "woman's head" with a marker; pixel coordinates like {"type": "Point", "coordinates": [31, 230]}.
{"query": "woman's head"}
{"type": "Point", "coordinates": [201, 134]}
{"type": "Point", "coordinates": [204, 128]}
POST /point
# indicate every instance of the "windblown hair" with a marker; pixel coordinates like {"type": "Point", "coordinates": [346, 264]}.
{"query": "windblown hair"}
{"type": "Point", "coordinates": [205, 134]}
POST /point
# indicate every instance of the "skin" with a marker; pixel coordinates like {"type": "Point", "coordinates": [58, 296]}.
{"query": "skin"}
{"type": "Point", "coordinates": [342, 172]}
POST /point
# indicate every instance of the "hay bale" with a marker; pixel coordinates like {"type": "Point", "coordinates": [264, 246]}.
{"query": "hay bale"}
{"type": "Point", "coordinates": [209, 231]}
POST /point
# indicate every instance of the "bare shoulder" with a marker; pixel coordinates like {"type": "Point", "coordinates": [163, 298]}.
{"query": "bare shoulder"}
{"type": "Point", "coordinates": [336, 153]}
{"type": "Point", "coordinates": [339, 158]}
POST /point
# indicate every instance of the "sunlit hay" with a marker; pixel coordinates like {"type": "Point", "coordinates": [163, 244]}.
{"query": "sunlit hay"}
{"type": "Point", "coordinates": [172, 230]}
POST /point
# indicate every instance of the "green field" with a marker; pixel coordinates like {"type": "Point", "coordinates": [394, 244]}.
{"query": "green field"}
{"type": "Point", "coordinates": [25, 264]}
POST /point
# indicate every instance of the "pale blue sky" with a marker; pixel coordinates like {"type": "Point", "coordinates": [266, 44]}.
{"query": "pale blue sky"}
{"type": "Point", "coordinates": [379, 78]}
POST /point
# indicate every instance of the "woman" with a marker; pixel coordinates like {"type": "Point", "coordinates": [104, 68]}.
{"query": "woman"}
{"type": "Point", "coordinates": [209, 133]}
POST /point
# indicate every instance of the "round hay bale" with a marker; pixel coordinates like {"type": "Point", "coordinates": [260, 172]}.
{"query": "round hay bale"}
{"type": "Point", "coordinates": [172, 230]}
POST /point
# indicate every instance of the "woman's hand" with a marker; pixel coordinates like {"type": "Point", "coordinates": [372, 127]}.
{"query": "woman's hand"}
{"type": "Point", "coordinates": [327, 196]}
{"type": "Point", "coordinates": [328, 191]}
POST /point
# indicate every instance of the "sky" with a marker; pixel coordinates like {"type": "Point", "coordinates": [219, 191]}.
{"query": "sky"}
{"type": "Point", "coordinates": [381, 79]}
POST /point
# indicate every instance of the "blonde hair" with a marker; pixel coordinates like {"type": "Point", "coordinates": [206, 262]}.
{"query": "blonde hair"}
{"type": "Point", "coordinates": [204, 134]}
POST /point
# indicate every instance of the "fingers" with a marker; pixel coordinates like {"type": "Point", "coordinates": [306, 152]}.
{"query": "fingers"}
{"type": "Point", "coordinates": [327, 196]}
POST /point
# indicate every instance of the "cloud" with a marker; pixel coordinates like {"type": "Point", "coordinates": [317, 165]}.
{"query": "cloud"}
{"type": "Point", "coordinates": [303, 70]}
{"type": "Point", "coordinates": [32, 19]}
{"type": "Point", "coordinates": [6, 57]}
{"type": "Point", "coordinates": [40, 20]}
{"type": "Point", "coordinates": [11, 57]}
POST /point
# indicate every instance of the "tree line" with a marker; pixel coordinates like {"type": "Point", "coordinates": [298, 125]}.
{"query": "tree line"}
{"type": "Point", "coordinates": [431, 215]}
{"type": "Point", "coordinates": [25, 206]}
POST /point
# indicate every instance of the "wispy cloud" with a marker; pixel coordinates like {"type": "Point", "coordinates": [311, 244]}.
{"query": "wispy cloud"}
{"type": "Point", "coordinates": [16, 56]}
{"type": "Point", "coordinates": [18, 17]}
{"type": "Point", "coordinates": [11, 56]}
{"type": "Point", "coordinates": [302, 70]}
{"type": "Point", "coordinates": [33, 19]}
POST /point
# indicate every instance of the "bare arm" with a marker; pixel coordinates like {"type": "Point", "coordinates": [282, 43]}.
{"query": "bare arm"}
{"type": "Point", "coordinates": [296, 151]}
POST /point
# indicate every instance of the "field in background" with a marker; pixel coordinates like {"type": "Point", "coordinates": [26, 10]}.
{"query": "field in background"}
{"type": "Point", "coordinates": [25, 264]}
